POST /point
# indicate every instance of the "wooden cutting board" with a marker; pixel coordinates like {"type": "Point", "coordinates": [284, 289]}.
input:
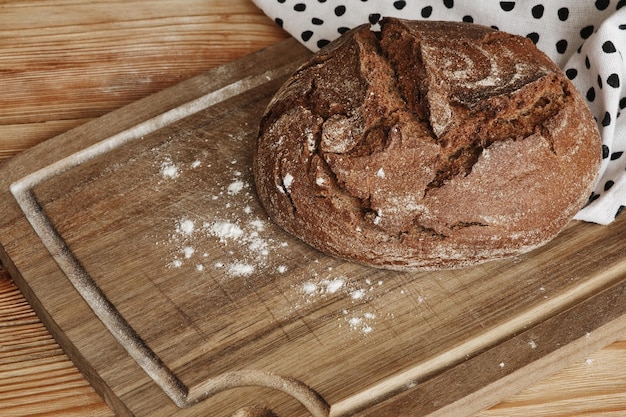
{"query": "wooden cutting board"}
{"type": "Point", "coordinates": [139, 241]}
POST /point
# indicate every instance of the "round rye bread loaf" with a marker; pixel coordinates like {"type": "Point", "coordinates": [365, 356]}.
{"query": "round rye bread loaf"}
{"type": "Point", "coordinates": [427, 145]}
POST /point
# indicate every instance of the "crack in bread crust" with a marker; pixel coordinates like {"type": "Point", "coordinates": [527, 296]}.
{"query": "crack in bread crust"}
{"type": "Point", "coordinates": [402, 148]}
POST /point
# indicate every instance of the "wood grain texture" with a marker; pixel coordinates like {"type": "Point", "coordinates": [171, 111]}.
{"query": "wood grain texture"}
{"type": "Point", "coordinates": [101, 218]}
{"type": "Point", "coordinates": [592, 387]}
{"type": "Point", "coordinates": [37, 378]}
{"type": "Point", "coordinates": [64, 63]}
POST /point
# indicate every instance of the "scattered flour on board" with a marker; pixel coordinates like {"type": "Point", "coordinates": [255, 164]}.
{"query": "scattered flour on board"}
{"type": "Point", "coordinates": [235, 187]}
{"type": "Point", "coordinates": [361, 323]}
{"type": "Point", "coordinates": [169, 170]}
{"type": "Point", "coordinates": [240, 268]}
{"type": "Point", "coordinates": [185, 226]}
{"type": "Point", "coordinates": [242, 245]}
{"type": "Point", "coordinates": [224, 230]}
{"type": "Point", "coordinates": [358, 293]}
{"type": "Point", "coordinates": [234, 240]}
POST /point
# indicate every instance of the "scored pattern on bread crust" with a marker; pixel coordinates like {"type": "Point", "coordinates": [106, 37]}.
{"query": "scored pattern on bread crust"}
{"type": "Point", "coordinates": [428, 145]}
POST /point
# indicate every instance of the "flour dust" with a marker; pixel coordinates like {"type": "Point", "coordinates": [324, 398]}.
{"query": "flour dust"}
{"type": "Point", "coordinates": [233, 241]}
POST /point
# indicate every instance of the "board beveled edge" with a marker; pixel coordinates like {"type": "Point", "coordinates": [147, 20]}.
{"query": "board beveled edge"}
{"type": "Point", "coordinates": [559, 341]}
{"type": "Point", "coordinates": [103, 308]}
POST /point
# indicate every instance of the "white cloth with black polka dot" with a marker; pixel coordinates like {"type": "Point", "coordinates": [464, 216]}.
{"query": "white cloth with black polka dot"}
{"type": "Point", "coordinates": [587, 39]}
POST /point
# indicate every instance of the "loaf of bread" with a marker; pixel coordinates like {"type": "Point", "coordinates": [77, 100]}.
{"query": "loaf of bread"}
{"type": "Point", "coordinates": [427, 145]}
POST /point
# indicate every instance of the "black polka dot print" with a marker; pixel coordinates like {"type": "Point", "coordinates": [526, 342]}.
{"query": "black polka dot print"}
{"type": "Point", "coordinates": [533, 36]}
{"type": "Point", "coordinates": [322, 43]}
{"type": "Point", "coordinates": [593, 197]}
{"type": "Point", "coordinates": [561, 46]}
{"type": "Point", "coordinates": [585, 38]}
{"type": "Point", "coordinates": [507, 6]}
{"type": "Point", "coordinates": [306, 35]}
{"type": "Point", "coordinates": [586, 32]}
{"type": "Point", "coordinates": [602, 4]}
{"type": "Point", "coordinates": [591, 94]}
{"type": "Point", "coordinates": [537, 11]}
{"type": "Point", "coordinates": [571, 73]}
{"type": "Point", "coordinates": [374, 18]}
{"type": "Point", "coordinates": [608, 47]}
{"type": "Point", "coordinates": [399, 4]}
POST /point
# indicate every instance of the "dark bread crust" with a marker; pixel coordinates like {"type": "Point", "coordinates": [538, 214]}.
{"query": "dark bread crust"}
{"type": "Point", "coordinates": [429, 145]}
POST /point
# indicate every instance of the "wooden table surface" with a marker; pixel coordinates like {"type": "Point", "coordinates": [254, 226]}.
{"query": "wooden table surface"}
{"type": "Point", "coordinates": [65, 62]}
